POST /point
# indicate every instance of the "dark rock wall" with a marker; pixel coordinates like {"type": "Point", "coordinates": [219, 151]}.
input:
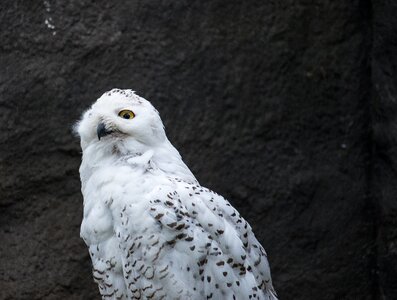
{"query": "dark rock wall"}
{"type": "Point", "coordinates": [287, 108]}
{"type": "Point", "coordinates": [384, 117]}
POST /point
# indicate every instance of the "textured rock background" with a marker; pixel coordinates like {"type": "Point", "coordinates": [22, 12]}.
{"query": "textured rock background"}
{"type": "Point", "coordinates": [287, 108]}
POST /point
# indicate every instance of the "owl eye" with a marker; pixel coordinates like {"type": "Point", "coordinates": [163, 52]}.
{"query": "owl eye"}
{"type": "Point", "coordinates": [126, 114]}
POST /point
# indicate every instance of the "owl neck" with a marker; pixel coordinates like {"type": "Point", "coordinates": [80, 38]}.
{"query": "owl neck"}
{"type": "Point", "coordinates": [162, 156]}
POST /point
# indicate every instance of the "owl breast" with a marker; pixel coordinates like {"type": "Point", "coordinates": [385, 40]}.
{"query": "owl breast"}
{"type": "Point", "coordinates": [108, 194]}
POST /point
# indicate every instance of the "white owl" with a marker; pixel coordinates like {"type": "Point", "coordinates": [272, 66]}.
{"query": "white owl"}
{"type": "Point", "coordinates": [152, 230]}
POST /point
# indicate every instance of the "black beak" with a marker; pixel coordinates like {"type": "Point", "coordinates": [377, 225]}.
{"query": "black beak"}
{"type": "Point", "coordinates": [102, 131]}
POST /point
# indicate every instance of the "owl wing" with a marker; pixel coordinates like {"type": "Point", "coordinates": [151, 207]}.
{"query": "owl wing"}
{"type": "Point", "coordinates": [210, 250]}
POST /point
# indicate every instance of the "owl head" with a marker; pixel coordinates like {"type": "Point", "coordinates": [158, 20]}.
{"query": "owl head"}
{"type": "Point", "coordinates": [120, 116]}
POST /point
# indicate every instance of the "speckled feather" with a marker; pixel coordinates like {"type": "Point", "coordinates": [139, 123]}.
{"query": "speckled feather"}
{"type": "Point", "coordinates": [152, 230]}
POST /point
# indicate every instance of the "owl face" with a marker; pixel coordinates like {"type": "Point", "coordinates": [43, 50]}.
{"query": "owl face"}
{"type": "Point", "coordinates": [120, 116]}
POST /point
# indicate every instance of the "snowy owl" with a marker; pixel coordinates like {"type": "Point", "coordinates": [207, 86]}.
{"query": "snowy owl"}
{"type": "Point", "coordinates": [153, 232]}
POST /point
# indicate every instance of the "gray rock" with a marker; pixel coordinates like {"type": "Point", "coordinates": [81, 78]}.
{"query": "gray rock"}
{"type": "Point", "coordinates": [287, 108]}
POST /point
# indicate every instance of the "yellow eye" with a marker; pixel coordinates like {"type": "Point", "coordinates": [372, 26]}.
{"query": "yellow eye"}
{"type": "Point", "coordinates": [126, 114]}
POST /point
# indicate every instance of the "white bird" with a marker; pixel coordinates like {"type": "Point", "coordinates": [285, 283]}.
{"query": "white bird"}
{"type": "Point", "coordinates": [152, 230]}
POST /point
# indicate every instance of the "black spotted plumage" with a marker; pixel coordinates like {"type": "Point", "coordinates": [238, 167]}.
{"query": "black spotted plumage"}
{"type": "Point", "coordinates": [152, 230]}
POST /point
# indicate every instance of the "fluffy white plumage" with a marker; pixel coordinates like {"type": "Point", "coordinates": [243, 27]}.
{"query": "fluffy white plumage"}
{"type": "Point", "coordinates": [152, 231]}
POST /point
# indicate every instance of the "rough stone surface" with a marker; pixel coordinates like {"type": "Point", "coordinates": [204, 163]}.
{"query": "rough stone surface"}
{"type": "Point", "coordinates": [287, 108]}
{"type": "Point", "coordinates": [384, 117]}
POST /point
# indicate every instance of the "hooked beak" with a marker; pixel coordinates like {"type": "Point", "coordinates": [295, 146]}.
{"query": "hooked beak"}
{"type": "Point", "coordinates": [102, 131]}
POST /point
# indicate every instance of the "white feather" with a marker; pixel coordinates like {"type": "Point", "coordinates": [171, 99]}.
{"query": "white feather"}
{"type": "Point", "coordinates": [152, 231]}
